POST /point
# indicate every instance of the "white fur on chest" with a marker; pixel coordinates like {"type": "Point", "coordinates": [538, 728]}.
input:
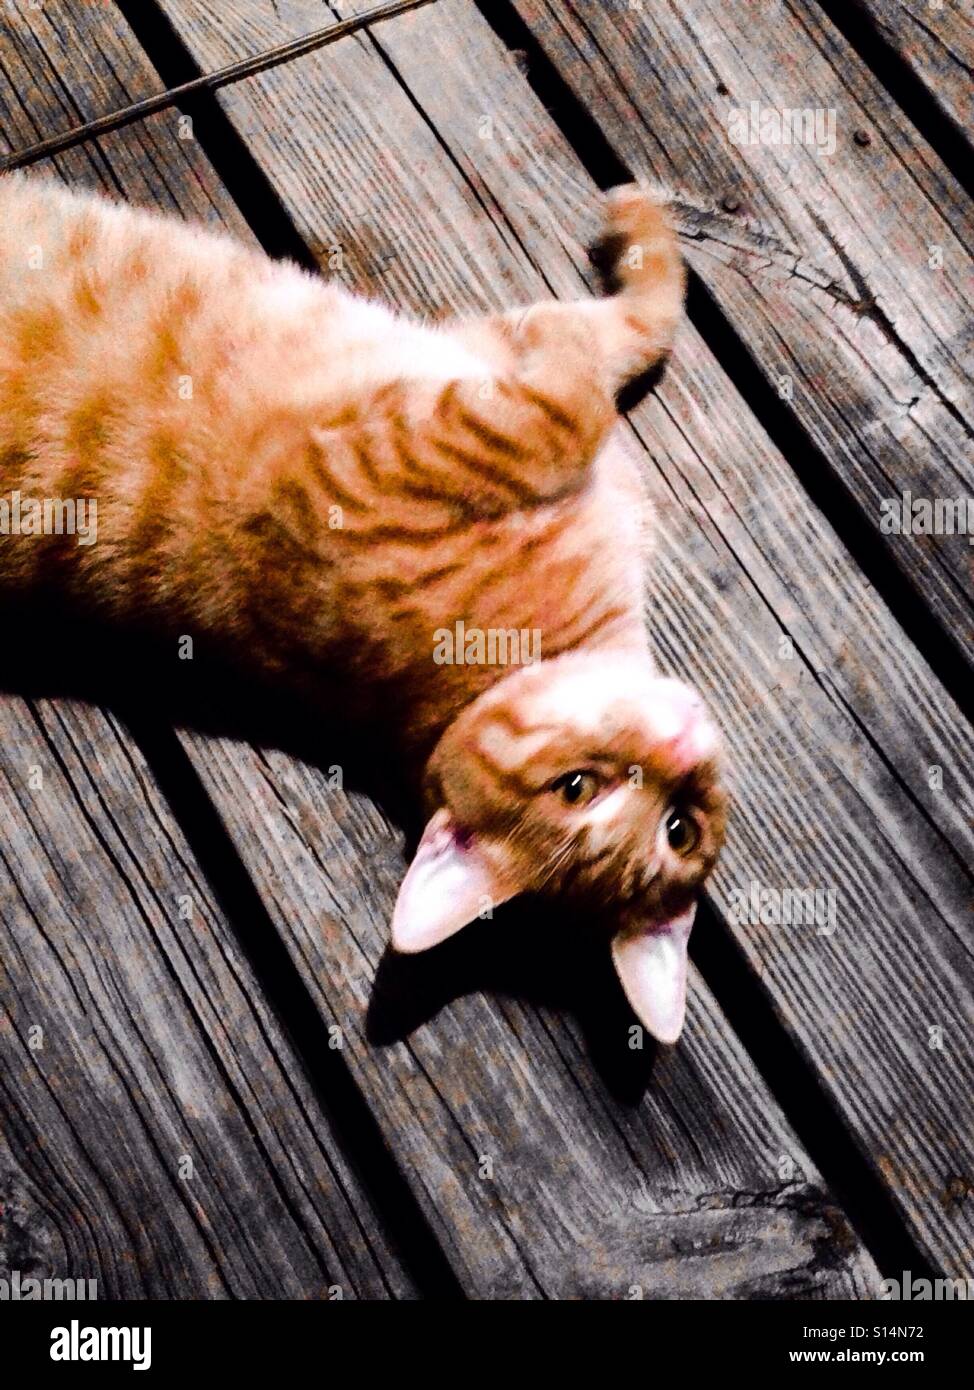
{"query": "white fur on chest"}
{"type": "Point", "coordinates": [363, 344]}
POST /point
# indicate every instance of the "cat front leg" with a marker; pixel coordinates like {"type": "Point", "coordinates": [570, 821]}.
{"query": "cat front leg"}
{"type": "Point", "coordinates": [617, 339]}
{"type": "Point", "coordinates": [523, 432]}
{"type": "Point", "coordinates": [560, 367]}
{"type": "Point", "coordinates": [639, 255]}
{"type": "Point", "coordinates": [518, 436]}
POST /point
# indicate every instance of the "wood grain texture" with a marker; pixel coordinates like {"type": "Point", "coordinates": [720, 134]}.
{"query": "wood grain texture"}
{"type": "Point", "coordinates": [936, 39]}
{"type": "Point", "coordinates": [30, 1241]}
{"type": "Point", "coordinates": [583, 1195]}
{"type": "Point", "coordinates": [156, 1042]}
{"type": "Point", "coordinates": [46, 86]}
{"type": "Point", "coordinates": [832, 744]}
{"type": "Point", "coordinates": [828, 266]}
{"type": "Point", "coordinates": [167, 1142]}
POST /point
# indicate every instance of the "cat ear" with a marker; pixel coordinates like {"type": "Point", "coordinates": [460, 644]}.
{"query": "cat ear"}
{"type": "Point", "coordinates": [448, 884]}
{"type": "Point", "coordinates": [652, 967]}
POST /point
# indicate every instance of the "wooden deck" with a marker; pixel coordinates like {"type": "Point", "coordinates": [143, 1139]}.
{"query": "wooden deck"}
{"type": "Point", "coordinates": [214, 1083]}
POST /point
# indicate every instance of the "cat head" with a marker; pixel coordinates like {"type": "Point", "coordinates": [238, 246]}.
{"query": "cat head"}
{"type": "Point", "coordinates": [586, 777]}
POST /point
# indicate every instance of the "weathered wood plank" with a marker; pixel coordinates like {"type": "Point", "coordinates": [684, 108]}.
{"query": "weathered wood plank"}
{"type": "Point", "coordinates": [936, 39]}
{"type": "Point", "coordinates": [46, 85]}
{"type": "Point", "coordinates": [846, 274]}
{"type": "Point", "coordinates": [167, 1142]}
{"type": "Point", "coordinates": [588, 1196]}
{"type": "Point", "coordinates": [834, 742]}
{"type": "Point", "coordinates": [30, 1241]}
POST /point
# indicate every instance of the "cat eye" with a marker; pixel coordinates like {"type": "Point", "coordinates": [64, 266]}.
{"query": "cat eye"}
{"type": "Point", "coordinates": [576, 788]}
{"type": "Point", "coordinates": [682, 834]}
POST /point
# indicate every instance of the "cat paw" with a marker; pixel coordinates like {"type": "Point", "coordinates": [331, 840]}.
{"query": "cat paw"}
{"type": "Point", "coordinates": [637, 235]}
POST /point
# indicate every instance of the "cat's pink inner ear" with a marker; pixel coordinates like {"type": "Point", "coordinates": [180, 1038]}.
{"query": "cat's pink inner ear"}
{"type": "Point", "coordinates": [652, 967]}
{"type": "Point", "coordinates": [449, 883]}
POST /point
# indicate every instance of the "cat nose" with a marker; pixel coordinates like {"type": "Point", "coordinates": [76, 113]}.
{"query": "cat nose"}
{"type": "Point", "coordinates": [681, 727]}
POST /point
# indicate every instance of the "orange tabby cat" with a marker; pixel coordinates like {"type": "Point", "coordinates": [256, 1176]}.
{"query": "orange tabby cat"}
{"type": "Point", "coordinates": [317, 485]}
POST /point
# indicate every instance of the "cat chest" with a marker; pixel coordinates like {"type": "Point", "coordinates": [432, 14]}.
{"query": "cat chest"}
{"type": "Point", "coordinates": [494, 595]}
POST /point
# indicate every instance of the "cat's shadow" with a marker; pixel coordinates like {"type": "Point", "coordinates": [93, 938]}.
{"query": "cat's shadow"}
{"type": "Point", "coordinates": [49, 653]}
{"type": "Point", "coordinates": [530, 951]}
